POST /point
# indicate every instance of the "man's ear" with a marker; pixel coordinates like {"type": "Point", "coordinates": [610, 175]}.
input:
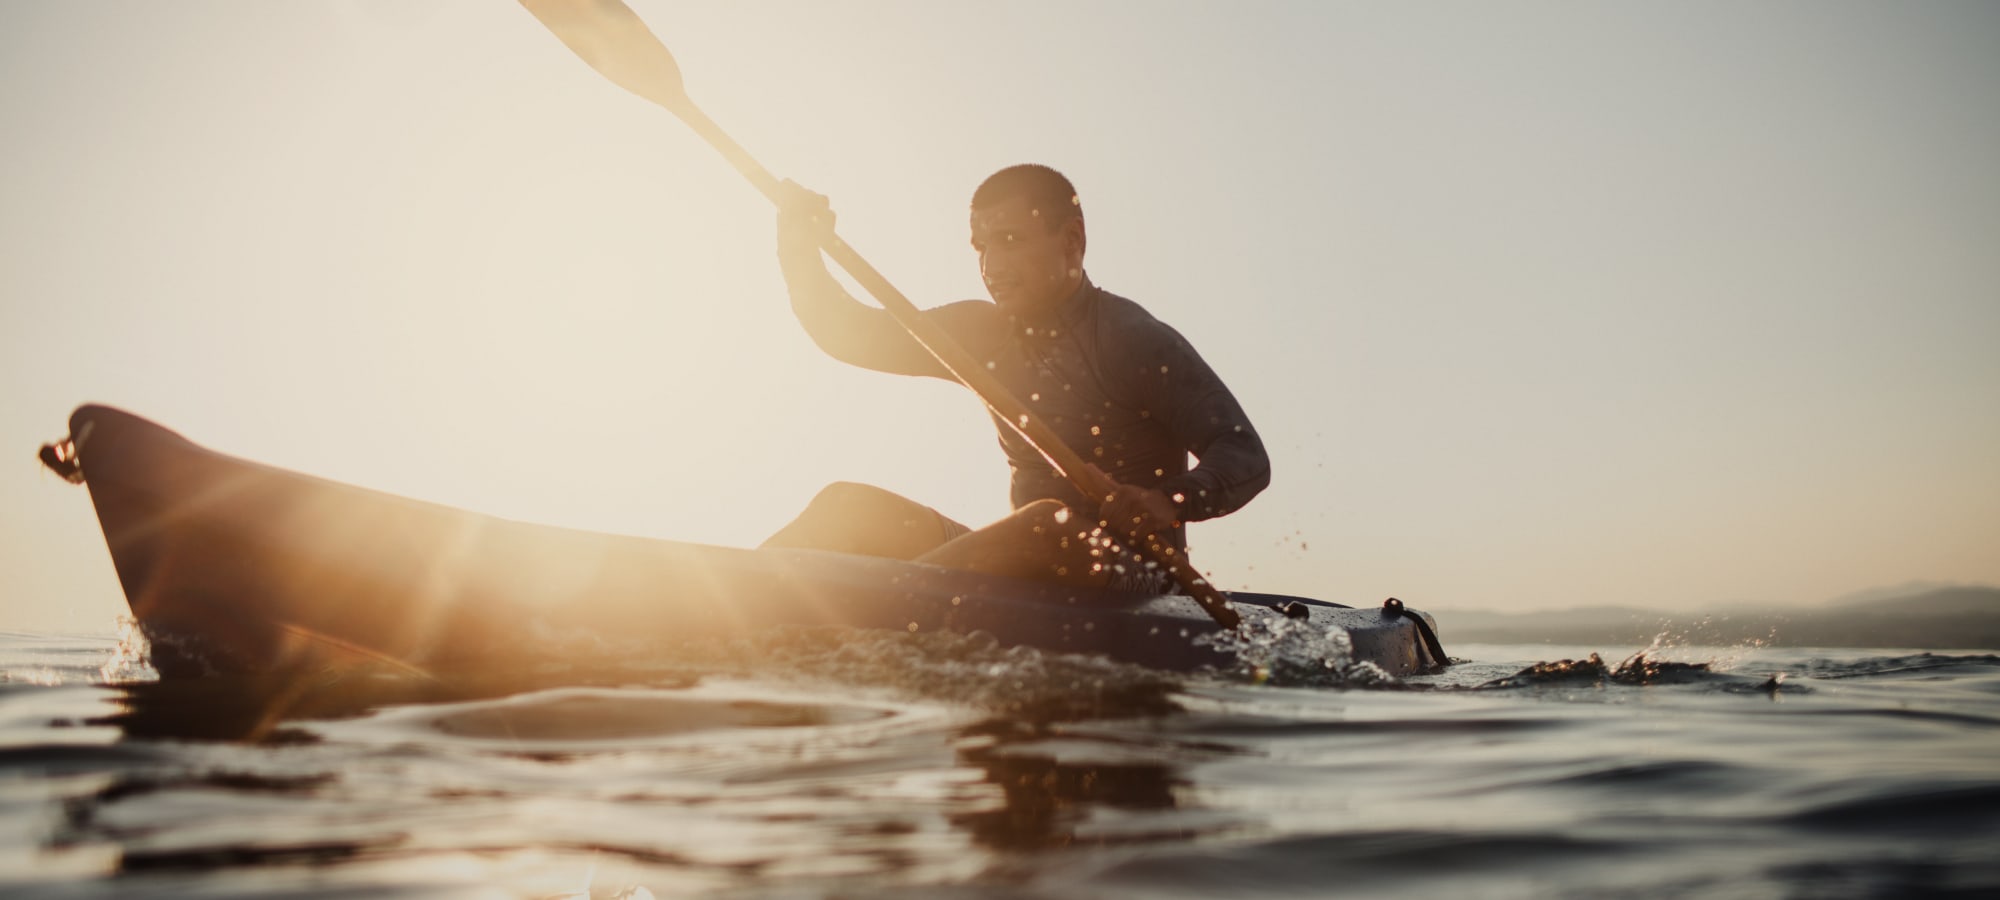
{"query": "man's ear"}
{"type": "Point", "coordinates": [1074, 238]}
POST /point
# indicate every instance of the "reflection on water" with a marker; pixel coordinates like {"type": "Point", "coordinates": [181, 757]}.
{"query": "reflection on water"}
{"type": "Point", "coordinates": [1045, 801]}
{"type": "Point", "coordinates": [1042, 798]}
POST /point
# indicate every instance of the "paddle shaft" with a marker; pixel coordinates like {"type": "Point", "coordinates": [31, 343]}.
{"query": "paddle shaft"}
{"type": "Point", "coordinates": [611, 39]}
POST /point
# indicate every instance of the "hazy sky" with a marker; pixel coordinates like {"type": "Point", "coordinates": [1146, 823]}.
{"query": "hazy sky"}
{"type": "Point", "coordinates": [1536, 305]}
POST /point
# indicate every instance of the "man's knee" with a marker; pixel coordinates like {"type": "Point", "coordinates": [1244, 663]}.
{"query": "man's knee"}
{"type": "Point", "coordinates": [847, 497]}
{"type": "Point", "coordinates": [861, 518]}
{"type": "Point", "coordinates": [827, 520]}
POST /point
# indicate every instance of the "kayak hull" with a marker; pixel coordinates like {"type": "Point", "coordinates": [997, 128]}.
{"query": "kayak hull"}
{"type": "Point", "coordinates": [231, 565]}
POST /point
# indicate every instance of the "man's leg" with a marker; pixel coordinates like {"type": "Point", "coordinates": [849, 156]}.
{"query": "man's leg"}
{"type": "Point", "coordinates": [864, 519]}
{"type": "Point", "coordinates": [1041, 540]}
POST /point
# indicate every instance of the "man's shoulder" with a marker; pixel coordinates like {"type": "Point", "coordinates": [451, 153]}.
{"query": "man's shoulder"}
{"type": "Point", "coordinates": [1120, 307]}
{"type": "Point", "coordinates": [1124, 323]}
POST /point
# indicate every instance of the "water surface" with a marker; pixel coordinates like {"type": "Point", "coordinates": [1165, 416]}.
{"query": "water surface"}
{"type": "Point", "coordinates": [848, 764]}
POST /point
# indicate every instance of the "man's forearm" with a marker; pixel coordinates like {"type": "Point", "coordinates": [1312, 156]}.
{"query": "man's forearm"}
{"type": "Point", "coordinates": [1232, 469]}
{"type": "Point", "coordinates": [845, 328]}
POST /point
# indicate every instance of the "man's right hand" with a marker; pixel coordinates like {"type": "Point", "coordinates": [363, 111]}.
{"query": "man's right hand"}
{"type": "Point", "coordinates": [804, 217]}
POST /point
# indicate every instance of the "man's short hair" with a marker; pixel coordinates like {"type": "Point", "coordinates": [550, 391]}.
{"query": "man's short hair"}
{"type": "Point", "coordinates": [1045, 189]}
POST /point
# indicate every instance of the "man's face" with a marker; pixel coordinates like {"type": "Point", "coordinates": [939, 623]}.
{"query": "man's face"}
{"type": "Point", "coordinates": [1027, 266]}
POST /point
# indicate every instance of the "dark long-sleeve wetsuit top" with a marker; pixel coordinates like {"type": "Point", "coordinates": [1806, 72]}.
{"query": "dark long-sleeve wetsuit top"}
{"type": "Point", "coordinates": [1120, 387]}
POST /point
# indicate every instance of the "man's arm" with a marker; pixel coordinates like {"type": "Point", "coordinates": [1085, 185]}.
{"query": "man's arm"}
{"type": "Point", "coordinates": [847, 329]}
{"type": "Point", "coordinates": [1231, 463]}
{"type": "Point", "coordinates": [1175, 385]}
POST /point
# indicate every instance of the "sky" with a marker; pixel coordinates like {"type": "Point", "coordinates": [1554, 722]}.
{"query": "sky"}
{"type": "Point", "coordinates": [1536, 305]}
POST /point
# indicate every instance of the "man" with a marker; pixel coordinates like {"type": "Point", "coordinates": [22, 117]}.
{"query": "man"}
{"type": "Point", "coordinates": [1121, 388]}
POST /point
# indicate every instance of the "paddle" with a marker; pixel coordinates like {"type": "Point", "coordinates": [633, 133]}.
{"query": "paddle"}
{"type": "Point", "coordinates": [610, 38]}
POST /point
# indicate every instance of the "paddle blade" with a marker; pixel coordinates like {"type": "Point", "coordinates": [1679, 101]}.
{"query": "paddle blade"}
{"type": "Point", "coordinates": [609, 37]}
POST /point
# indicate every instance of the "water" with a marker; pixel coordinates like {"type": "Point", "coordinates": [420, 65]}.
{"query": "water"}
{"type": "Point", "coordinates": [817, 764]}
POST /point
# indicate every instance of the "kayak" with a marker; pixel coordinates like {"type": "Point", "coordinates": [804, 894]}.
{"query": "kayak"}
{"type": "Point", "coordinates": [234, 566]}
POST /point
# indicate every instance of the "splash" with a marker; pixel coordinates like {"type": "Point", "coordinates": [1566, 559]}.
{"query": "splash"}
{"type": "Point", "coordinates": [1593, 671]}
{"type": "Point", "coordinates": [1286, 652]}
{"type": "Point", "coordinates": [130, 661]}
{"type": "Point", "coordinates": [1710, 633]}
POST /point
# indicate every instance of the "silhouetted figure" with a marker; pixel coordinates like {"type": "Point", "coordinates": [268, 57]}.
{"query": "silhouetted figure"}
{"type": "Point", "coordinates": [1120, 387]}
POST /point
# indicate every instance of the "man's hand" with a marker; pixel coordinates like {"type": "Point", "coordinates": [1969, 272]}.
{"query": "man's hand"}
{"type": "Point", "coordinates": [1130, 510]}
{"type": "Point", "coordinates": [804, 217]}
{"type": "Point", "coordinates": [1139, 512]}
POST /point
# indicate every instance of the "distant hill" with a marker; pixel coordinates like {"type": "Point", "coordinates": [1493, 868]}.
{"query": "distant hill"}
{"type": "Point", "coordinates": [1933, 601]}
{"type": "Point", "coordinates": [1893, 592]}
{"type": "Point", "coordinates": [1931, 618]}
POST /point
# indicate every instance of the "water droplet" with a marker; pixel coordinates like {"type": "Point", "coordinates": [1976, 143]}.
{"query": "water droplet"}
{"type": "Point", "coordinates": [1163, 370]}
{"type": "Point", "coordinates": [989, 365]}
{"type": "Point", "coordinates": [913, 627]}
{"type": "Point", "coordinates": [1036, 398]}
{"type": "Point", "coordinates": [1180, 497]}
{"type": "Point", "coordinates": [955, 601]}
{"type": "Point", "coordinates": [1095, 431]}
{"type": "Point", "coordinates": [1062, 516]}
